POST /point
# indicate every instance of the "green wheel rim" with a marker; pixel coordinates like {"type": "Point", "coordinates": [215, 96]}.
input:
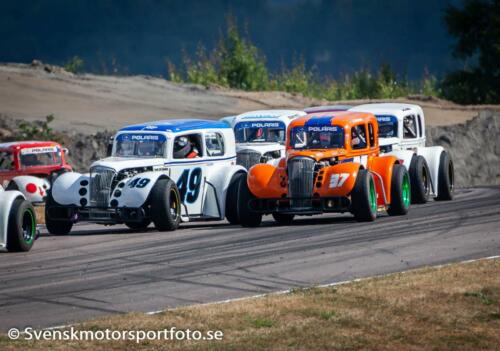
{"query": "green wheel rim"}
{"type": "Point", "coordinates": [406, 190]}
{"type": "Point", "coordinates": [373, 196]}
{"type": "Point", "coordinates": [29, 226]}
{"type": "Point", "coordinates": [175, 208]}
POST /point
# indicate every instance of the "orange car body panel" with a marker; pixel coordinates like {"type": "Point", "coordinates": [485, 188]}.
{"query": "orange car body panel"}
{"type": "Point", "coordinates": [267, 181]}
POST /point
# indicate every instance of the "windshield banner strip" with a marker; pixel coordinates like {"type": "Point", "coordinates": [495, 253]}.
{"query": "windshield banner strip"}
{"type": "Point", "coordinates": [141, 137]}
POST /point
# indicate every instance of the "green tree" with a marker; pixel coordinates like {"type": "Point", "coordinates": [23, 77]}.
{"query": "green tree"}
{"type": "Point", "coordinates": [476, 28]}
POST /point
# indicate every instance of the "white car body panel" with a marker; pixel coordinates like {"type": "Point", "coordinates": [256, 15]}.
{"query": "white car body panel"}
{"type": "Point", "coordinates": [400, 145]}
{"type": "Point", "coordinates": [42, 185]}
{"type": "Point", "coordinates": [205, 179]}
{"type": "Point", "coordinates": [264, 116]}
{"type": "Point", "coordinates": [6, 200]}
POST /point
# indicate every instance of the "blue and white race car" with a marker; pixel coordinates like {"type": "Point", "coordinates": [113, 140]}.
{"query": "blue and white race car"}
{"type": "Point", "coordinates": [163, 172]}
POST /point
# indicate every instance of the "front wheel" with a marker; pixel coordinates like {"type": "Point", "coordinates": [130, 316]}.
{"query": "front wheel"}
{"type": "Point", "coordinates": [420, 180]}
{"type": "Point", "coordinates": [165, 205]}
{"type": "Point", "coordinates": [283, 218]}
{"type": "Point", "coordinates": [21, 229]}
{"type": "Point", "coordinates": [247, 217]}
{"type": "Point", "coordinates": [232, 198]}
{"type": "Point", "coordinates": [364, 197]}
{"type": "Point", "coordinates": [56, 227]}
{"type": "Point", "coordinates": [446, 178]}
{"type": "Point", "coordinates": [400, 191]}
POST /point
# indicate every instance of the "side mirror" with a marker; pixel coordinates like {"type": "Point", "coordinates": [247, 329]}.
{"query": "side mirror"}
{"type": "Point", "coordinates": [109, 148]}
{"type": "Point", "coordinates": [65, 150]}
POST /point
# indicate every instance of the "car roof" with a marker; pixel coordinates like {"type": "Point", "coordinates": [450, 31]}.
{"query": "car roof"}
{"type": "Point", "coordinates": [176, 125]}
{"type": "Point", "coordinates": [271, 114]}
{"type": "Point", "coordinates": [390, 108]}
{"type": "Point", "coordinates": [327, 108]}
{"type": "Point", "coordinates": [343, 118]}
{"type": "Point", "coordinates": [26, 144]}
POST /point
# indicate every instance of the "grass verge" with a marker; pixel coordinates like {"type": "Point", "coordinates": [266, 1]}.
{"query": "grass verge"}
{"type": "Point", "coordinates": [456, 307]}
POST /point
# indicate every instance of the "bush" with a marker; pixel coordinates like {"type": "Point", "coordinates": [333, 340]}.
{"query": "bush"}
{"type": "Point", "coordinates": [74, 65]}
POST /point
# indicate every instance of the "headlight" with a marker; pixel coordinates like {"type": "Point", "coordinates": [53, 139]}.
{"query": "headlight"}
{"type": "Point", "coordinates": [270, 155]}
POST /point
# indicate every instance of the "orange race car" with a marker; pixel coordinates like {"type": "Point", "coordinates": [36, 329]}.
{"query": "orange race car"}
{"type": "Point", "coordinates": [332, 164]}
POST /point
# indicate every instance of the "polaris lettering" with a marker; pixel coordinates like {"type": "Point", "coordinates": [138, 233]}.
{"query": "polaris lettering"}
{"type": "Point", "coordinates": [322, 129]}
{"type": "Point", "coordinates": [265, 125]}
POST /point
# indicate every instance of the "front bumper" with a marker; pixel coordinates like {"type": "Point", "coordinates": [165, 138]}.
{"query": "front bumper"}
{"type": "Point", "coordinates": [96, 214]}
{"type": "Point", "coordinates": [317, 205]}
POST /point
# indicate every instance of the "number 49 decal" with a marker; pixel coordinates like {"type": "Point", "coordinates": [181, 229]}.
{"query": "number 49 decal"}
{"type": "Point", "coordinates": [338, 179]}
{"type": "Point", "coordinates": [189, 185]}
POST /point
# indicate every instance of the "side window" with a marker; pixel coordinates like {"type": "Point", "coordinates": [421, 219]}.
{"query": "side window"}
{"type": "Point", "coordinates": [214, 143]}
{"type": "Point", "coordinates": [188, 146]}
{"type": "Point", "coordinates": [6, 161]}
{"type": "Point", "coordinates": [409, 127]}
{"type": "Point", "coordinates": [371, 134]}
{"type": "Point", "coordinates": [420, 130]}
{"type": "Point", "coordinates": [358, 137]}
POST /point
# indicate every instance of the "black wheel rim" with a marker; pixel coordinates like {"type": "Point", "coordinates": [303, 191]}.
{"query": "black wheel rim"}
{"type": "Point", "coordinates": [175, 205]}
{"type": "Point", "coordinates": [28, 226]}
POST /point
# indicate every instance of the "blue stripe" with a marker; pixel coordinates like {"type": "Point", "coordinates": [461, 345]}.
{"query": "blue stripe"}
{"type": "Point", "coordinates": [200, 161]}
{"type": "Point", "coordinates": [176, 125]}
{"type": "Point", "coordinates": [319, 121]}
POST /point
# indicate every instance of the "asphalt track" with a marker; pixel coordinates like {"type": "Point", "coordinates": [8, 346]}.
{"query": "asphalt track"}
{"type": "Point", "coordinates": [105, 270]}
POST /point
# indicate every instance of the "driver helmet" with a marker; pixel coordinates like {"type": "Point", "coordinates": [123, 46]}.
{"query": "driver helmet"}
{"type": "Point", "coordinates": [182, 147]}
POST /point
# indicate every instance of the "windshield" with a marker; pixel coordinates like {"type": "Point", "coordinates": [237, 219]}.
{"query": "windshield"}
{"type": "Point", "coordinates": [258, 132]}
{"type": "Point", "coordinates": [140, 145]}
{"type": "Point", "coordinates": [387, 126]}
{"type": "Point", "coordinates": [317, 137]}
{"type": "Point", "coordinates": [40, 156]}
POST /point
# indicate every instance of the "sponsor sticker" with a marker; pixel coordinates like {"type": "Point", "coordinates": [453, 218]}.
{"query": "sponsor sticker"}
{"type": "Point", "coordinates": [39, 150]}
{"type": "Point", "coordinates": [276, 124]}
{"type": "Point", "coordinates": [141, 137]}
{"type": "Point", "coordinates": [322, 129]}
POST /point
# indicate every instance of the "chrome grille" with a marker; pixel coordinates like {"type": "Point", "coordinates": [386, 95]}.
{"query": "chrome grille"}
{"type": "Point", "coordinates": [301, 180]}
{"type": "Point", "coordinates": [101, 179]}
{"type": "Point", "coordinates": [248, 158]}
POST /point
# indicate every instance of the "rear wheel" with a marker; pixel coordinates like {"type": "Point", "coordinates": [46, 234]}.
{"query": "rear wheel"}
{"type": "Point", "coordinates": [446, 177]}
{"type": "Point", "coordinates": [419, 180]}
{"type": "Point", "coordinates": [400, 191]}
{"type": "Point", "coordinates": [165, 205]}
{"type": "Point", "coordinates": [138, 225]}
{"type": "Point", "coordinates": [21, 230]}
{"type": "Point", "coordinates": [283, 218]}
{"type": "Point", "coordinates": [247, 217]}
{"type": "Point", "coordinates": [232, 198]}
{"type": "Point", "coordinates": [59, 226]}
{"type": "Point", "coordinates": [364, 197]}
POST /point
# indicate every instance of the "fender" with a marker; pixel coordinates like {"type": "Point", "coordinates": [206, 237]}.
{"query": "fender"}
{"type": "Point", "coordinates": [66, 188]}
{"type": "Point", "coordinates": [382, 166]}
{"type": "Point", "coordinates": [135, 190]}
{"type": "Point", "coordinates": [219, 177]}
{"type": "Point", "coordinates": [404, 157]}
{"type": "Point", "coordinates": [337, 180]}
{"type": "Point", "coordinates": [432, 155]}
{"type": "Point", "coordinates": [6, 200]}
{"type": "Point", "coordinates": [266, 181]}
{"type": "Point", "coordinates": [34, 193]}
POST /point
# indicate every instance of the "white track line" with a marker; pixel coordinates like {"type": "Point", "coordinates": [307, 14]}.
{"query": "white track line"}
{"type": "Point", "coordinates": [287, 291]}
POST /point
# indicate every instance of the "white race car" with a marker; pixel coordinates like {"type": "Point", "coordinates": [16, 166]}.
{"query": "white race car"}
{"type": "Point", "coordinates": [260, 135]}
{"type": "Point", "coordinates": [17, 221]}
{"type": "Point", "coordinates": [402, 133]}
{"type": "Point", "coordinates": [163, 172]}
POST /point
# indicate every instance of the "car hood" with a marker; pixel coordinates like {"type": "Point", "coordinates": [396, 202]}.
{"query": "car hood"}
{"type": "Point", "coordinates": [317, 154]}
{"type": "Point", "coordinates": [262, 148]}
{"type": "Point", "coordinates": [120, 163]}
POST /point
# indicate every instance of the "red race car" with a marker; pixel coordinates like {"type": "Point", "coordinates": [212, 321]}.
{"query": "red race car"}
{"type": "Point", "coordinates": [27, 166]}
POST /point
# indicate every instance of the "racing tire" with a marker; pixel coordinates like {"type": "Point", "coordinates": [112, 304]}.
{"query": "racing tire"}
{"type": "Point", "coordinates": [400, 191]}
{"type": "Point", "coordinates": [142, 225]}
{"type": "Point", "coordinates": [165, 205]}
{"type": "Point", "coordinates": [283, 218]}
{"type": "Point", "coordinates": [364, 197]}
{"type": "Point", "coordinates": [232, 198]}
{"type": "Point", "coordinates": [446, 178]}
{"type": "Point", "coordinates": [55, 227]}
{"type": "Point", "coordinates": [419, 180]}
{"type": "Point", "coordinates": [21, 230]}
{"type": "Point", "coordinates": [246, 216]}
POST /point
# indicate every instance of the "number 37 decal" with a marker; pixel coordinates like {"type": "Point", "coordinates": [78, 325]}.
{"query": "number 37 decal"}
{"type": "Point", "coordinates": [338, 179]}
